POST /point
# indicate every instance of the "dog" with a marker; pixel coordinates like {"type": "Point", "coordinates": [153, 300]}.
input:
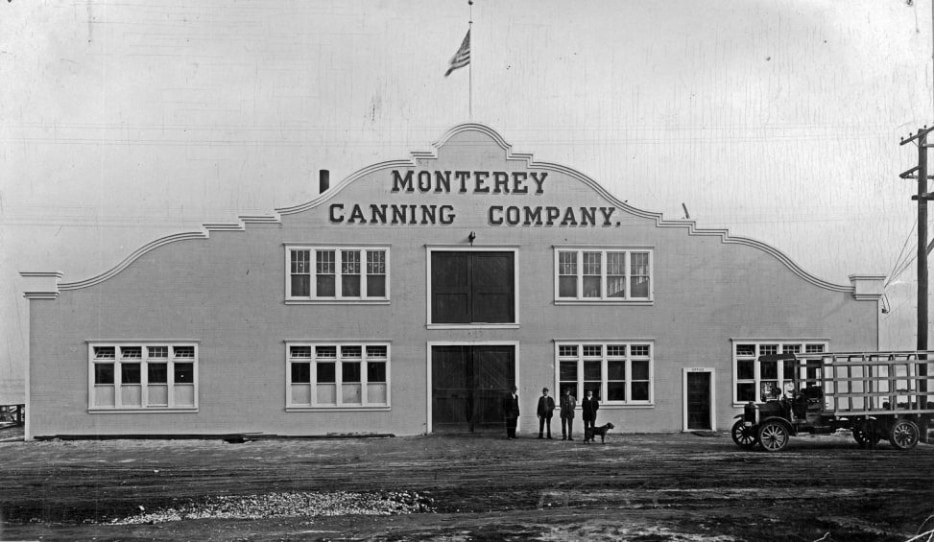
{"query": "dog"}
{"type": "Point", "coordinates": [591, 433]}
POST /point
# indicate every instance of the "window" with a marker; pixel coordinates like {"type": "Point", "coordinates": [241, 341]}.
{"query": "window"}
{"type": "Point", "coordinates": [142, 376]}
{"type": "Point", "coordinates": [618, 373]}
{"type": "Point", "coordinates": [759, 381]}
{"type": "Point", "coordinates": [341, 274]}
{"type": "Point", "coordinates": [594, 275]}
{"type": "Point", "coordinates": [351, 375]}
{"type": "Point", "coordinates": [472, 287]}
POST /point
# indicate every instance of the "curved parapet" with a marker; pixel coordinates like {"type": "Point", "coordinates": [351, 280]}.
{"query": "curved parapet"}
{"type": "Point", "coordinates": [488, 134]}
{"type": "Point", "coordinates": [130, 259]}
{"type": "Point", "coordinates": [657, 217]}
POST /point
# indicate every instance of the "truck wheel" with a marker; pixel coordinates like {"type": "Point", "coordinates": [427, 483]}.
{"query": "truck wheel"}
{"type": "Point", "coordinates": [904, 434]}
{"type": "Point", "coordinates": [744, 437]}
{"type": "Point", "coordinates": [774, 436]}
{"type": "Point", "coordinates": [865, 434]}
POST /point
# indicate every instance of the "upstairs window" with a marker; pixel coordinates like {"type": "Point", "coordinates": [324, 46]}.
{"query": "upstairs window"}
{"type": "Point", "coordinates": [337, 274]}
{"type": "Point", "coordinates": [608, 275]}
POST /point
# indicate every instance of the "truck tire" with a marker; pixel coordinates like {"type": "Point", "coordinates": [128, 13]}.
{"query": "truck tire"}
{"type": "Point", "coordinates": [744, 437]}
{"type": "Point", "coordinates": [866, 434]}
{"type": "Point", "coordinates": [904, 434]}
{"type": "Point", "coordinates": [774, 436]}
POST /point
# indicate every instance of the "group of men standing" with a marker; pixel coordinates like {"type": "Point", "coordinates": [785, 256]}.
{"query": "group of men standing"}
{"type": "Point", "coordinates": [546, 409]}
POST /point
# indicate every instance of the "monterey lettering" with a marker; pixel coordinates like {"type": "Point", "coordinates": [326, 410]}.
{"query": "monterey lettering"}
{"type": "Point", "coordinates": [501, 183]}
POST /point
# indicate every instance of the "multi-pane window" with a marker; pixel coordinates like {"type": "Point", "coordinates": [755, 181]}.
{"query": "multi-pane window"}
{"type": "Point", "coordinates": [337, 375]}
{"type": "Point", "coordinates": [618, 373]}
{"type": "Point", "coordinates": [603, 275]}
{"type": "Point", "coordinates": [142, 376]}
{"type": "Point", "coordinates": [337, 274]}
{"type": "Point", "coordinates": [761, 381]}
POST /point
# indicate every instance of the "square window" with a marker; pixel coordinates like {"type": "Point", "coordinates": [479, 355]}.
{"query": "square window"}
{"type": "Point", "coordinates": [326, 351]}
{"type": "Point", "coordinates": [375, 372]}
{"type": "Point", "coordinates": [745, 350]}
{"type": "Point", "coordinates": [350, 372]}
{"type": "Point", "coordinates": [301, 352]}
{"type": "Point", "coordinates": [616, 391]}
{"type": "Point", "coordinates": [593, 370]}
{"type": "Point", "coordinates": [157, 373]}
{"type": "Point", "coordinates": [745, 369]}
{"type": "Point", "coordinates": [640, 350]}
{"type": "Point", "coordinates": [104, 352]}
{"type": "Point", "coordinates": [103, 373]}
{"type": "Point", "coordinates": [640, 370]}
{"type": "Point", "coordinates": [130, 373]}
{"type": "Point", "coordinates": [567, 350]}
{"type": "Point", "coordinates": [158, 351]}
{"type": "Point", "coordinates": [301, 373]}
{"type": "Point", "coordinates": [184, 373]}
{"type": "Point", "coordinates": [351, 351]}
{"type": "Point", "coordinates": [616, 350]}
{"type": "Point", "coordinates": [616, 370]}
{"type": "Point", "coordinates": [593, 350]}
{"type": "Point", "coordinates": [131, 352]}
{"type": "Point", "coordinates": [376, 351]}
{"type": "Point", "coordinates": [186, 352]}
{"type": "Point", "coordinates": [326, 372]}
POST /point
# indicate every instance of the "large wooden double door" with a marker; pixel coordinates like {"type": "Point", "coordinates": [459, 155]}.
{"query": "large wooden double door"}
{"type": "Point", "coordinates": [468, 383]}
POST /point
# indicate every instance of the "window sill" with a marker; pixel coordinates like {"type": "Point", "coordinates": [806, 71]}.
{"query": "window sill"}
{"type": "Point", "coordinates": [472, 326]}
{"type": "Point", "coordinates": [341, 408]}
{"type": "Point", "coordinates": [605, 406]}
{"type": "Point", "coordinates": [337, 302]}
{"type": "Point", "coordinates": [633, 302]}
{"type": "Point", "coordinates": [142, 410]}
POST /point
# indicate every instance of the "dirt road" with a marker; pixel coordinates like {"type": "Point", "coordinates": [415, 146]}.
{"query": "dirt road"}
{"type": "Point", "coordinates": [635, 487]}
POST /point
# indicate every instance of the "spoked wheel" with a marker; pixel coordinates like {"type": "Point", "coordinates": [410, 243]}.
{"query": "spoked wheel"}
{"type": "Point", "coordinates": [774, 436]}
{"type": "Point", "coordinates": [866, 434]}
{"type": "Point", "coordinates": [743, 436]}
{"type": "Point", "coordinates": [904, 434]}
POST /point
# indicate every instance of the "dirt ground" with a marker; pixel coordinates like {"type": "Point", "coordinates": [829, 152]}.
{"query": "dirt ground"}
{"type": "Point", "coordinates": [645, 488]}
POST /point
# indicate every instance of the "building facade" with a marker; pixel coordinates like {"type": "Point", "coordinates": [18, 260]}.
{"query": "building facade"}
{"type": "Point", "coordinates": [409, 297]}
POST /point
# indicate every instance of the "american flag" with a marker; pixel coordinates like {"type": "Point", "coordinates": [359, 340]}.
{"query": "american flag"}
{"type": "Point", "coordinates": [462, 57]}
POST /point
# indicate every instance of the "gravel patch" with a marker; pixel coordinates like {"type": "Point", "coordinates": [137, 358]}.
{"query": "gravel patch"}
{"type": "Point", "coordinates": [289, 504]}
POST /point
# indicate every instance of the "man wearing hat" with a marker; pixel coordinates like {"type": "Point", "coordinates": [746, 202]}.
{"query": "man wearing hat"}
{"type": "Point", "coordinates": [546, 407]}
{"type": "Point", "coordinates": [511, 412]}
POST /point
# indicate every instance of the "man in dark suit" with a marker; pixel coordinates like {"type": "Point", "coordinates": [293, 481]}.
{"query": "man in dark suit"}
{"type": "Point", "coordinates": [568, 402]}
{"type": "Point", "coordinates": [546, 407]}
{"type": "Point", "coordinates": [511, 412]}
{"type": "Point", "coordinates": [589, 408]}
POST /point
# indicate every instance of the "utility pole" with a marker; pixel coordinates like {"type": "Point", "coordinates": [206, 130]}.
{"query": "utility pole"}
{"type": "Point", "coordinates": [920, 172]}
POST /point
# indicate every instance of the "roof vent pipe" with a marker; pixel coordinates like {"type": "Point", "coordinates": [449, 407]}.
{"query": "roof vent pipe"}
{"type": "Point", "coordinates": [324, 181]}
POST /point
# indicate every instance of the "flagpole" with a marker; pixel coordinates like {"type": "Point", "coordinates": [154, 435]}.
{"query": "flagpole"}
{"type": "Point", "coordinates": [470, 66]}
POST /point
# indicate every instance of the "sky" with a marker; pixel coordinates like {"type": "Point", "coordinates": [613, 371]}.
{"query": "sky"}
{"type": "Point", "coordinates": [123, 121]}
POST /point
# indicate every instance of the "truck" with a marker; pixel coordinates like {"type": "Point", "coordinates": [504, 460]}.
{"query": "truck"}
{"type": "Point", "coordinates": [874, 395]}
